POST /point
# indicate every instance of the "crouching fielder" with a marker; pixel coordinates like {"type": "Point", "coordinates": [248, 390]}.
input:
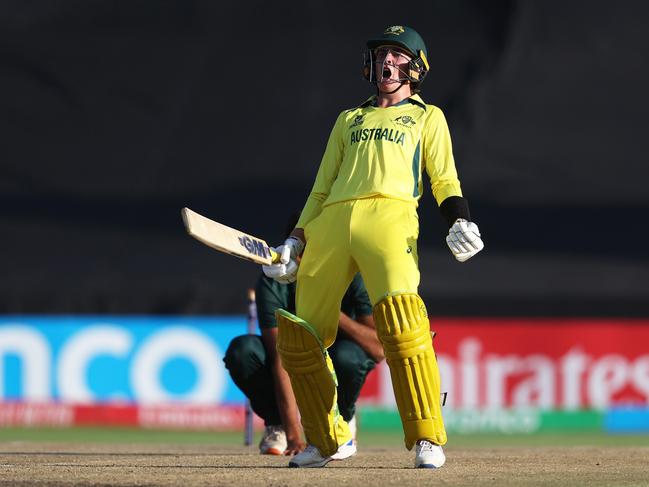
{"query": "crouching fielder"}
{"type": "Point", "coordinates": [361, 215]}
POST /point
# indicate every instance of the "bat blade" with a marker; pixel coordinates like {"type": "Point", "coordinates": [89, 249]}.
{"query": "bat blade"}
{"type": "Point", "coordinates": [226, 239]}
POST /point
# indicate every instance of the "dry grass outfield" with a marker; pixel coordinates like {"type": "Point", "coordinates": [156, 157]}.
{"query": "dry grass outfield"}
{"type": "Point", "coordinates": [28, 463]}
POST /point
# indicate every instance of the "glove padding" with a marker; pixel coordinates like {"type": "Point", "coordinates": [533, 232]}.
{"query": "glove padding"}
{"type": "Point", "coordinates": [464, 239]}
{"type": "Point", "coordinates": [291, 249]}
{"type": "Point", "coordinates": [285, 271]}
{"type": "Point", "coordinates": [282, 273]}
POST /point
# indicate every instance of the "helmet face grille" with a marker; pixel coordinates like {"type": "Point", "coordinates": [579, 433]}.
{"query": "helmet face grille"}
{"type": "Point", "coordinates": [376, 61]}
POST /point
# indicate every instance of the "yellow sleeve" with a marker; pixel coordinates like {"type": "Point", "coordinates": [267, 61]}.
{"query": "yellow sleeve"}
{"type": "Point", "coordinates": [326, 174]}
{"type": "Point", "coordinates": [438, 154]}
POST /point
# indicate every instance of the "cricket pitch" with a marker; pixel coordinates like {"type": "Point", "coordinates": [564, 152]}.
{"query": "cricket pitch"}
{"type": "Point", "coordinates": [76, 464]}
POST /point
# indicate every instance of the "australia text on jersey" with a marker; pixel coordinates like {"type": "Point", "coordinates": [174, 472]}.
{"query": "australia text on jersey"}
{"type": "Point", "coordinates": [391, 135]}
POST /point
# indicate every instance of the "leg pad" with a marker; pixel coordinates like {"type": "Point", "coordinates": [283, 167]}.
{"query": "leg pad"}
{"type": "Point", "coordinates": [314, 383]}
{"type": "Point", "coordinates": [404, 330]}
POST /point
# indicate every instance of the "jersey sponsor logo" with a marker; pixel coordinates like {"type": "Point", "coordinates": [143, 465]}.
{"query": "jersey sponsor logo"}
{"type": "Point", "coordinates": [358, 121]}
{"type": "Point", "coordinates": [254, 246]}
{"type": "Point", "coordinates": [390, 135]}
{"type": "Point", "coordinates": [405, 121]}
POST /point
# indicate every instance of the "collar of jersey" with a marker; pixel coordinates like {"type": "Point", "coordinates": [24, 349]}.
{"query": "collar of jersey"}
{"type": "Point", "coordinates": [414, 99]}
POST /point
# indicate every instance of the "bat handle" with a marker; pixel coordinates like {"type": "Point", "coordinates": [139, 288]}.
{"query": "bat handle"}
{"type": "Point", "coordinates": [274, 256]}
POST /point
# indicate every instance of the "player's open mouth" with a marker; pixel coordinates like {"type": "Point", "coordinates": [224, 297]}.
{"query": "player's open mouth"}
{"type": "Point", "coordinates": [386, 74]}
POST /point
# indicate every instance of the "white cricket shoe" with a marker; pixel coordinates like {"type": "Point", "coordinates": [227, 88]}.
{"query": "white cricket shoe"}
{"type": "Point", "coordinates": [353, 428]}
{"type": "Point", "coordinates": [429, 455]}
{"type": "Point", "coordinates": [273, 441]}
{"type": "Point", "coordinates": [343, 450]}
{"type": "Point", "coordinates": [311, 458]}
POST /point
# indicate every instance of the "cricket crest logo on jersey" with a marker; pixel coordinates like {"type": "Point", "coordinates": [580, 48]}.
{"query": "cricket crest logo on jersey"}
{"type": "Point", "coordinates": [405, 121]}
{"type": "Point", "coordinates": [358, 121]}
{"type": "Point", "coordinates": [254, 246]}
{"type": "Point", "coordinates": [394, 30]}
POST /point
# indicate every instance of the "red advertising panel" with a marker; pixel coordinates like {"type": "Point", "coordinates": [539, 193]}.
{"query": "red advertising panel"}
{"type": "Point", "coordinates": [539, 363]}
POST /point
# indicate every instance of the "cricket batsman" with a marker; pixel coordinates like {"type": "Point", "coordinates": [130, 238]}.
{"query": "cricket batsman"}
{"type": "Point", "coordinates": [361, 215]}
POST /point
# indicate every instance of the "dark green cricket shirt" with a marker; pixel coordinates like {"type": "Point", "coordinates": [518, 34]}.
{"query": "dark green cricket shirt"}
{"type": "Point", "coordinates": [271, 295]}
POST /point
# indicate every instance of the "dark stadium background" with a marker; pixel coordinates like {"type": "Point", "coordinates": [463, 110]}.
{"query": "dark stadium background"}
{"type": "Point", "coordinates": [114, 115]}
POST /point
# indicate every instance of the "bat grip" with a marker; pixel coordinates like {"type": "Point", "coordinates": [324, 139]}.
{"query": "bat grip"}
{"type": "Point", "coordinates": [274, 256]}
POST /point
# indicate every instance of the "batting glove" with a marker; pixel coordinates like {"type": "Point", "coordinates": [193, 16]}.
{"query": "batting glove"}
{"type": "Point", "coordinates": [282, 273]}
{"type": "Point", "coordinates": [291, 249]}
{"type": "Point", "coordinates": [285, 271]}
{"type": "Point", "coordinates": [464, 239]}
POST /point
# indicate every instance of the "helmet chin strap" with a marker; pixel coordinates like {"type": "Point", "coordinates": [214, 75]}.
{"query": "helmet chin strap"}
{"type": "Point", "coordinates": [402, 82]}
{"type": "Point", "coordinates": [393, 91]}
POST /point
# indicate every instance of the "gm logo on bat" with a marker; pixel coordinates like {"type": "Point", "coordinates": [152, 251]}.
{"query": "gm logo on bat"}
{"type": "Point", "coordinates": [254, 246]}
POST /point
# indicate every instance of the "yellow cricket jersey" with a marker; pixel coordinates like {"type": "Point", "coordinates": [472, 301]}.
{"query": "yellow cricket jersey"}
{"type": "Point", "coordinates": [380, 152]}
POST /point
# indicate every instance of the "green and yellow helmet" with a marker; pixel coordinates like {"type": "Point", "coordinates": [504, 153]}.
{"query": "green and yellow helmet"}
{"type": "Point", "coordinates": [407, 39]}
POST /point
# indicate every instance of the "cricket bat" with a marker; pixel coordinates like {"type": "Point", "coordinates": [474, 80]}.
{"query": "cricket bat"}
{"type": "Point", "coordinates": [228, 240]}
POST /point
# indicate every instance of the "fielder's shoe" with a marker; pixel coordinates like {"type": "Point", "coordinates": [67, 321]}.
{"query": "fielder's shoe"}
{"type": "Point", "coordinates": [311, 458]}
{"type": "Point", "coordinates": [343, 450]}
{"type": "Point", "coordinates": [429, 455]}
{"type": "Point", "coordinates": [273, 441]}
{"type": "Point", "coordinates": [352, 428]}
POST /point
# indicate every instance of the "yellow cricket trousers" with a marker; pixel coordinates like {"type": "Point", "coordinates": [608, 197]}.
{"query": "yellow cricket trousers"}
{"type": "Point", "coordinates": [376, 236]}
